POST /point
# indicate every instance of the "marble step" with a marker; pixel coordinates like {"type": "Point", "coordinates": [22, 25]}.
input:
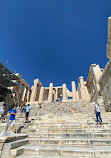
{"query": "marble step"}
{"type": "Point", "coordinates": [81, 120]}
{"type": "Point", "coordinates": [11, 142]}
{"type": "Point", "coordinates": [70, 141]}
{"type": "Point", "coordinates": [70, 135]}
{"type": "Point", "coordinates": [43, 156]}
{"type": "Point", "coordinates": [74, 120]}
{"type": "Point", "coordinates": [92, 122]}
{"type": "Point", "coordinates": [16, 144]}
{"type": "Point", "coordinates": [9, 146]}
{"type": "Point", "coordinates": [69, 123]}
{"type": "Point", "coordinates": [65, 119]}
{"type": "Point", "coordinates": [55, 127]}
{"type": "Point", "coordinates": [15, 137]}
{"type": "Point", "coordinates": [68, 130]}
{"type": "Point", "coordinates": [67, 151]}
{"type": "Point", "coordinates": [88, 125]}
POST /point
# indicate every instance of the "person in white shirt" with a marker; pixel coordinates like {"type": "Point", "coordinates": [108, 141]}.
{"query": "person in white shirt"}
{"type": "Point", "coordinates": [98, 114]}
{"type": "Point", "coordinates": [2, 109]}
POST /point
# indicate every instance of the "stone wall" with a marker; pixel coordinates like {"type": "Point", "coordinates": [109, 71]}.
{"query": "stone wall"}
{"type": "Point", "coordinates": [20, 94]}
{"type": "Point", "coordinates": [93, 83]}
{"type": "Point", "coordinates": [105, 80]}
{"type": "Point", "coordinates": [105, 86]}
{"type": "Point", "coordinates": [109, 39]}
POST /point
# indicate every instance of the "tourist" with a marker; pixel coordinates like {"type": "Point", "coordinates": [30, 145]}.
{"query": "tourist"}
{"type": "Point", "coordinates": [98, 114]}
{"type": "Point", "coordinates": [2, 110]}
{"type": "Point", "coordinates": [27, 112]}
{"type": "Point", "coordinates": [11, 120]}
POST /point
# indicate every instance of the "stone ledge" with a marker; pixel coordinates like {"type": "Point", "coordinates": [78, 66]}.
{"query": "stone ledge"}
{"type": "Point", "coordinates": [11, 138]}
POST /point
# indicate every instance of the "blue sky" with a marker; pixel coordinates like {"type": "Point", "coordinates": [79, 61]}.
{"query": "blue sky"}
{"type": "Point", "coordinates": [53, 40]}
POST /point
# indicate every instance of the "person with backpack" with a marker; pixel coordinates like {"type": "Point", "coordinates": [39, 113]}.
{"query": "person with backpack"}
{"type": "Point", "coordinates": [98, 114]}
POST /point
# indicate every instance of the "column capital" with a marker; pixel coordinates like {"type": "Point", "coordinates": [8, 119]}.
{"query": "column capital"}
{"type": "Point", "coordinates": [51, 85]}
{"type": "Point", "coordinates": [36, 81]}
{"type": "Point", "coordinates": [64, 83]}
{"type": "Point", "coordinates": [81, 77]}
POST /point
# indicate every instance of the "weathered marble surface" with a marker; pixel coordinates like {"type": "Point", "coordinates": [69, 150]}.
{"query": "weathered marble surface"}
{"type": "Point", "coordinates": [105, 86]}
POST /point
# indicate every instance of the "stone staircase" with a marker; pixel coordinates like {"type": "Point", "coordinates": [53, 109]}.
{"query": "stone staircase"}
{"type": "Point", "coordinates": [64, 132]}
{"type": "Point", "coordinates": [7, 143]}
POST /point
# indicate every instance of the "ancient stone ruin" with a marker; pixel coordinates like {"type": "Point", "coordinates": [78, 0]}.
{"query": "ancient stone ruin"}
{"type": "Point", "coordinates": [65, 124]}
{"type": "Point", "coordinates": [96, 88]}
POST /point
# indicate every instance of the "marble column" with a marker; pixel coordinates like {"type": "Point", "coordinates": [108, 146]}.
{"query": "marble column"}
{"type": "Point", "coordinates": [25, 98]}
{"type": "Point", "coordinates": [28, 93]}
{"type": "Point", "coordinates": [82, 87]}
{"type": "Point", "coordinates": [56, 93]}
{"type": "Point", "coordinates": [77, 94]}
{"type": "Point", "coordinates": [23, 93]}
{"type": "Point", "coordinates": [74, 95]}
{"type": "Point", "coordinates": [41, 96]}
{"type": "Point", "coordinates": [50, 97]}
{"type": "Point", "coordinates": [64, 92]}
{"type": "Point", "coordinates": [34, 91]}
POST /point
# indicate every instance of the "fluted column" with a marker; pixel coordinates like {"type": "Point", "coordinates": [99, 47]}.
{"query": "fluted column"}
{"type": "Point", "coordinates": [28, 93]}
{"type": "Point", "coordinates": [50, 97]}
{"type": "Point", "coordinates": [82, 87]}
{"type": "Point", "coordinates": [77, 94]}
{"type": "Point", "coordinates": [41, 96]}
{"type": "Point", "coordinates": [74, 95]}
{"type": "Point", "coordinates": [64, 92]}
{"type": "Point", "coordinates": [34, 91]}
{"type": "Point", "coordinates": [56, 93]}
{"type": "Point", "coordinates": [23, 93]}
